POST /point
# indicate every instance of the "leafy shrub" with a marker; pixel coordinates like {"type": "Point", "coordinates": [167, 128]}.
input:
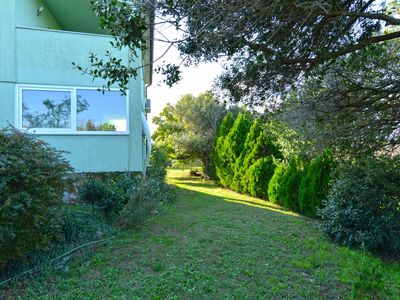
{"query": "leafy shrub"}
{"type": "Point", "coordinates": [142, 203]}
{"type": "Point", "coordinates": [125, 183]}
{"type": "Point", "coordinates": [32, 183]}
{"type": "Point", "coordinates": [289, 187]}
{"type": "Point", "coordinates": [363, 206]}
{"type": "Point", "coordinates": [93, 191]}
{"type": "Point", "coordinates": [80, 226]}
{"type": "Point", "coordinates": [314, 184]}
{"type": "Point", "coordinates": [109, 193]}
{"type": "Point", "coordinates": [158, 163]}
{"type": "Point", "coordinates": [150, 193]}
{"type": "Point", "coordinates": [275, 183]}
{"type": "Point", "coordinates": [256, 162]}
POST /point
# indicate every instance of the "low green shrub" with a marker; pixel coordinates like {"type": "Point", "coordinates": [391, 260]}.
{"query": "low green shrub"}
{"type": "Point", "coordinates": [109, 193]}
{"type": "Point", "coordinates": [314, 184]}
{"type": "Point", "coordinates": [93, 191]}
{"type": "Point", "coordinates": [363, 206]}
{"type": "Point", "coordinates": [159, 162]}
{"type": "Point", "coordinates": [32, 184]}
{"type": "Point", "coordinates": [150, 193]}
{"type": "Point", "coordinates": [142, 203]}
{"type": "Point", "coordinates": [78, 226]}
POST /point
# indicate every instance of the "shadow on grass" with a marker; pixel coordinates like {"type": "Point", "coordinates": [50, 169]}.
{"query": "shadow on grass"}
{"type": "Point", "coordinates": [192, 184]}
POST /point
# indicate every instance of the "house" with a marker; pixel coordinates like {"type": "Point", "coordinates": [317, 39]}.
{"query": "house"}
{"type": "Point", "coordinates": [42, 93]}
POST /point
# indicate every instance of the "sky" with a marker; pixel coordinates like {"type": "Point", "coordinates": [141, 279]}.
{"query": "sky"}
{"type": "Point", "coordinates": [195, 80]}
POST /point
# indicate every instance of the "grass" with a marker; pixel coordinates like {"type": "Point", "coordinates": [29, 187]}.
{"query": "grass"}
{"type": "Point", "coordinates": [213, 243]}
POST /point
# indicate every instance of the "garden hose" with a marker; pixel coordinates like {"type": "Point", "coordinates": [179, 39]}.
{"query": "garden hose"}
{"type": "Point", "coordinates": [58, 257]}
{"type": "Point", "coordinates": [75, 249]}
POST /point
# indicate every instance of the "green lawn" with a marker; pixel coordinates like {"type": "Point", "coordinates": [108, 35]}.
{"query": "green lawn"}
{"type": "Point", "coordinates": [213, 243]}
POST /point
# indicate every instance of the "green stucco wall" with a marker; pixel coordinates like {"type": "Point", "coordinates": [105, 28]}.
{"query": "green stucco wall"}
{"type": "Point", "coordinates": [26, 15]}
{"type": "Point", "coordinates": [44, 57]}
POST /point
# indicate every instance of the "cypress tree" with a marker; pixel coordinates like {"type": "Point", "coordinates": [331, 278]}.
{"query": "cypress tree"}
{"type": "Point", "coordinates": [276, 182]}
{"type": "Point", "coordinates": [233, 146]}
{"type": "Point", "coordinates": [218, 156]}
{"type": "Point", "coordinates": [314, 184]}
{"type": "Point", "coordinates": [288, 190]}
{"type": "Point", "coordinates": [259, 175]}
{"type": "Point", "coordinates": [244, 161]}
{"type": "Point", "coordinates": [260, 163]}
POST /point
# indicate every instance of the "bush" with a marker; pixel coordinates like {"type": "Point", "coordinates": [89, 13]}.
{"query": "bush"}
{"type": "Point", "coordinates": [219, 155]}
{"type": "Point", "coordinates": [158, 163]}
{"type": "Point", "coordinates": [232, 147]}
{"type": "Point", "coordinates": [32, 183]}
{"type": "Point", "coordinates": [150, 193]}
{"type": "Point", "coordinates": [79, 226]}
{"type": "Point", "coordinates": [314, 184]}
{"type": "Point", "coordinates": [363, 206]}
{"type": "Point", "coordinates": [108, 192]}
{"type": "Point", "coordinates": [142, 203]}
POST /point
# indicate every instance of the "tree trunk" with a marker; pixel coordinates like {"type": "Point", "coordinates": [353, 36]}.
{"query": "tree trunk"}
{"type": "Point", "coordinates": [205, 160]}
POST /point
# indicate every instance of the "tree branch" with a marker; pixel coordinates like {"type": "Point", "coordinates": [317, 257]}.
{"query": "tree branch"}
{"type": "Point", "coordinates": [352, 48]}
{"type": "Point", "coordinates": [377, 16]}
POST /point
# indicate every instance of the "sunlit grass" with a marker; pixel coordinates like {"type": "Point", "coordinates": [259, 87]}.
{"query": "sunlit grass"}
{"type": "Point", "coordinates": [181, 179]}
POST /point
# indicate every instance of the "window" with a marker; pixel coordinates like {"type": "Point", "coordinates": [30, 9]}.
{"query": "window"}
{"type": "Point", "coordinates": [101, 112]}
{"type": "Point", "coordinates": [72, 110]}
{"type": "Point", "coordinates": [46, 109]}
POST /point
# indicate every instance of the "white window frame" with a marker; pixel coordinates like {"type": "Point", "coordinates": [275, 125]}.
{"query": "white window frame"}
{"type": "Point", "coordinates": [63, 131]}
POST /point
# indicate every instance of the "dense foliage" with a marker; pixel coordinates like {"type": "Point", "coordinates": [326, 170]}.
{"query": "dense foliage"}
{"type": "Point", "coordinates": [32, 183]}
{"type": "Point", "coordinates": [353, 105]}
{"type": "Point", "coordinates": [314, 183]}
{"type": "Point", "coordinates": [338, 59]}
{"type": "Point", "coordinates": [273, 43]}
{"type": "Point", "coordinates": [251, 156]}
{"type": "Point", "coordinates": [269, 45]}
{"type": "Point", "coordinates": [275, 184]}
{"type": "Point", "coordinates": [363, 207]}
{"type": "Point", "coordinates": [287, 193]}
{"type": "Point", "coordinates": [150, 193]}
{"type": "Point", "coordinates": [109, 193]}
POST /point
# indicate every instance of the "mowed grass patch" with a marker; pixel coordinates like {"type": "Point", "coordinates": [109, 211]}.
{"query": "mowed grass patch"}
{"type": "Point", "coordinates": [213, 243]}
